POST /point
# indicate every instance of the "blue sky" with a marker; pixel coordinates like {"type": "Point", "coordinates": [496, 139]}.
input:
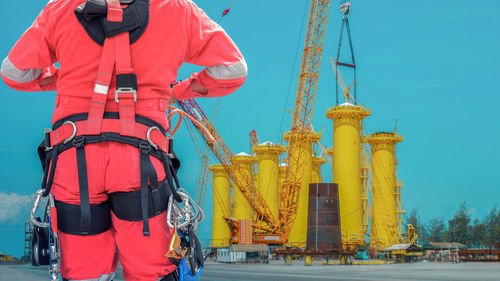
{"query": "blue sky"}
{"type": "Point", "coordinates": [431, 64]}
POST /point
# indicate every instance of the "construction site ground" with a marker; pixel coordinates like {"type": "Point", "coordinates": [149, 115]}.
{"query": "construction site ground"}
{"type": "Point", "coordinates": [298, 272]}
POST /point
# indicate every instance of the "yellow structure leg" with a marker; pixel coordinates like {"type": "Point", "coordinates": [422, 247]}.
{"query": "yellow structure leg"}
{"type": "Point", "coordinates": [221, 233]}
{"type": "Point", "coordinates": [268, 177]}
{"type": "Point", "coordinates": [347, 168]}
{"type": "Point", "coordinates": [384, 213]}
{"type": "Point", "coordinates": [241, 208]}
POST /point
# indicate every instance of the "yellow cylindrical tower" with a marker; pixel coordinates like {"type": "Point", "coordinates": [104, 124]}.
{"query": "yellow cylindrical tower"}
{"type": "Point", "coordinates": [298, 232]}
{"type": "Point", "coordinates": [346, 170]}
{"type": "Point", "coordinates": [316, 169]}
{"type": "Point", "coordinates": [384, 215]}
{"type": "Point", "coordinates": [221, 233]}
{"type": "Point", "coordinates": [268, 167]}
{"type": "Point", "coordinates": [241, 208]}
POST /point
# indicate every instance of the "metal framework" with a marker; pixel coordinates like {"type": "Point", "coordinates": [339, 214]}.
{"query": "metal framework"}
{"type": "Point", "coordinates": [225, 157]}
{"type": "Point", "coordinates": [303, 111]}
{"type": "Point", "coordinates": [345, 25]}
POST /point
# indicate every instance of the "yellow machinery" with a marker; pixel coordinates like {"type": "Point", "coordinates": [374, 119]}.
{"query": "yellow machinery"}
{"type": "Point", "coordinates": [385, 218]}
{"type": "Point", "coordinates": [241, 207]}
{"type": "Point", "coordinates": [316, 169]}
{"type": "Point", "coordinates": [268, 177]}
{"type": "Point", "coordinates": [221, 233]}
{"type": "Point", "coordinates": [346, 172]}
{"type": "Point", "coordinates": [411, 237]}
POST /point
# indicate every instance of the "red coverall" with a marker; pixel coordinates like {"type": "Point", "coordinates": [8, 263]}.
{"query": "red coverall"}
{"type": "Point", "coordinates": [178, 32]}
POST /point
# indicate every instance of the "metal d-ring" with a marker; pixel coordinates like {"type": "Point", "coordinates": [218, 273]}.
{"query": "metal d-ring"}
{"type": "Point", "coordinates": [74, 131]}
{"type": "Point", "coordinates": [148, 135]}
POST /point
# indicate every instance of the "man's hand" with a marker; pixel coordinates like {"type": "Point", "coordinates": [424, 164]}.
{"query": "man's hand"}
{"type": "Point", "coordinates": [46, 81]}
{"type": "Point", "coordinates": [198, 88]}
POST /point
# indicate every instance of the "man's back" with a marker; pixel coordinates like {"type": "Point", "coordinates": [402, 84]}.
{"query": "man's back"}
{"type": "Point", "coordinates": [111, 178]}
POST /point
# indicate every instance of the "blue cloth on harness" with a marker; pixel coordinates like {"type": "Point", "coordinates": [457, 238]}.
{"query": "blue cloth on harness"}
{"type": "Point", "coordinates": [186, 274]}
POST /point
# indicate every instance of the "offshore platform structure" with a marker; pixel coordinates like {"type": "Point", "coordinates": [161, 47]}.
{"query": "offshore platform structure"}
{"type": "Point", "coordinates": [260, 200]}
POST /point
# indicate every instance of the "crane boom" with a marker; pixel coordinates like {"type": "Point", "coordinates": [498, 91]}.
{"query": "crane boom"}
{"type": "Point", "coordinates": [225, 157]}
{"type": "Point", "coordinates": [303, 110]}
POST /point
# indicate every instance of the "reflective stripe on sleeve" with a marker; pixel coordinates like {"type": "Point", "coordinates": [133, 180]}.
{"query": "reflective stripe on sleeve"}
{"type": "Point", "coordinates": [10, 71]}
{"type": "Point", "coordinates": [233, 71]}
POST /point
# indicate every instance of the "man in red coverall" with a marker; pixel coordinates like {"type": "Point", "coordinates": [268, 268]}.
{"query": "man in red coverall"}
{"type": "Point", "coordinates": [177, 32]}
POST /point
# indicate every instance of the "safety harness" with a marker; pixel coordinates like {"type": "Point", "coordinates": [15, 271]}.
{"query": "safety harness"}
{"type": "Point", "coordinates": [123, 126]}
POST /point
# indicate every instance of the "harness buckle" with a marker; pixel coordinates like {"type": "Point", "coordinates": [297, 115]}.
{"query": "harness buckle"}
{"type": "Point", "coordinates": [145, 147]}
{"type": "Point", "coordinates": [148, 136]}
{"type": "Point", "coordinates": [46, 141]}
{"type": "Point", "coordinates": [74, 131]}
{"type": "Point", "coordinates": [79, 141]}
{"type": "Point", "coordinates": [125, 90]}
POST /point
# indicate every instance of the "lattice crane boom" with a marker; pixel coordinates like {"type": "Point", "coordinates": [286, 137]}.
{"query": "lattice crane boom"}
{"type": "Point", "coordinates": [225, 157]}
{"type": "Point", "coordinates": [303, 111]}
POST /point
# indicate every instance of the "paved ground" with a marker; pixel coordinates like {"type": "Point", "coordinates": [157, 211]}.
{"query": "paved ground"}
{"type": "Point", "coordinates": [418, 271]}
{"type": "Point", "coordinates": [298, 272]}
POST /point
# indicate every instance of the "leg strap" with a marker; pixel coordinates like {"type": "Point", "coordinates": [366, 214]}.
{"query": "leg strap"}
{"type": "Point", "coordinates": [127, 205]}
{"type": "Point", "coordinates": [69, 215]}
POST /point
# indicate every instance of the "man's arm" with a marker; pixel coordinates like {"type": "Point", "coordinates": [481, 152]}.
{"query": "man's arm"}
{"type": "Point", "coordinates": [210, 46]}
{"type": "Point", "coordinates": [29, 65]}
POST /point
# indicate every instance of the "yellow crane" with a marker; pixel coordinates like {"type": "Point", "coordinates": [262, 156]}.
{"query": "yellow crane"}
{"type": "Point", "coordinates": [299, 135]}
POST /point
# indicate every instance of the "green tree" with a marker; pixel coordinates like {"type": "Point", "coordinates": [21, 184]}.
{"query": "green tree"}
{"type": "Point", "coordinates": [492, 222]}
{"type": "Point", "coordinates": [459, 225]}
{"type": "Point", "coordinates": [436, 230]}
{"type": "Point", "coordinates": [478, 234]}
{"type": "Point", "coordinates": [414, 219]}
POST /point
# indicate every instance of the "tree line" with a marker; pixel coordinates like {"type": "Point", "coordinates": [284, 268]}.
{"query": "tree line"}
{"type": "Point", "coordinates": [477, 233]}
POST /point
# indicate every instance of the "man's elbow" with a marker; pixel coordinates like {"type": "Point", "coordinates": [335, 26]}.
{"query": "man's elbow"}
{"type": "Point", "coordinates": [236, 70]}
{"type": "Point", "coordinates": [11, 73]}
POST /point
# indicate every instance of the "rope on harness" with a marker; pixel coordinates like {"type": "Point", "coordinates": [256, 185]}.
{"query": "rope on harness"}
{"type": "Point", "coordinates": [196, 122]}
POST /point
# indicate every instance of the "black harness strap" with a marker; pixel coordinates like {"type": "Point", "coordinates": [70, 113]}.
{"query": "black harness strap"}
{"type": "Point", "coordinates": [170, 173]}
{"type": "Point", "coordinates": [148, 175]}
{"type": "Point", "coordinates": [81, 162]}
{"type": "Point", "coordinates": [127, 205]}
{"type": "Point", "coordinates": [68, 214]}
{"type": "Point", "coordinates": [46, 185]}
